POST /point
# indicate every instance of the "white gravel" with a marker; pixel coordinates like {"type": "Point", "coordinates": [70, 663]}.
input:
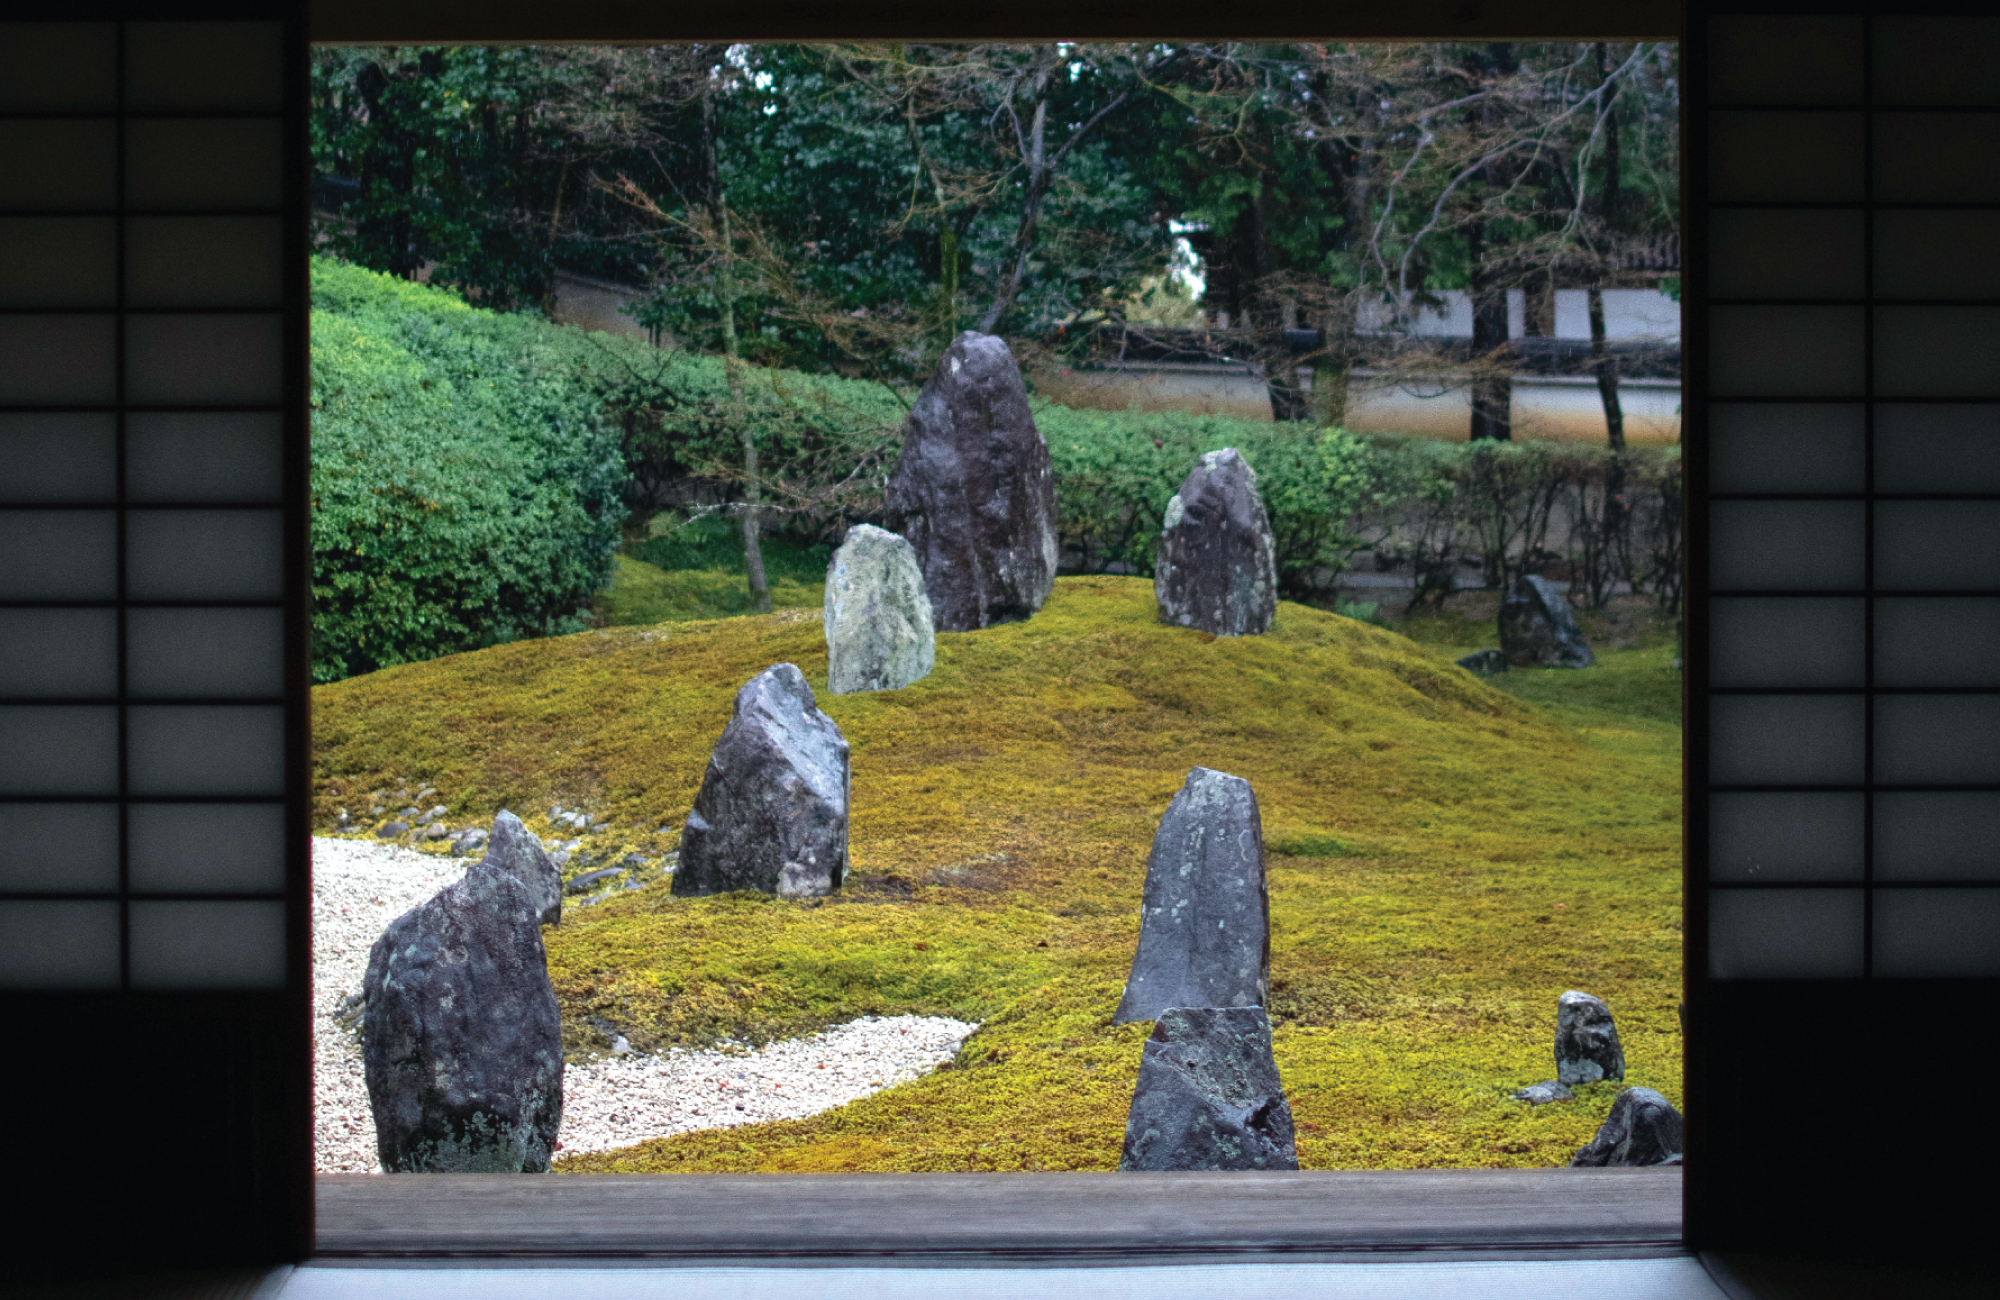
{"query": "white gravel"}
{"type": "Point", "coordinates": [360, 886]}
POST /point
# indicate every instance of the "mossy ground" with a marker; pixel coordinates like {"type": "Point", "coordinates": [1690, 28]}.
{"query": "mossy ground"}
{"type": "Point", "coordinates": [694, 569]}
{"type": "Point", "coordinates": [1445, 860]}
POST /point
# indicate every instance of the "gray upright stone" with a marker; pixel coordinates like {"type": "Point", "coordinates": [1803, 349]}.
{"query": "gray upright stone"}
{"type": "Point", "coordinates": [515, 850]}
{"type": "Point", "coordinates": [1537, 629]}
{"type": "Point", "coordinates": [772, 812]}
{"type": "Point", "coordinates": [974, 491]}
{"type": "Point", "coordinates": [1205, 919]}
{"type": "Point", "coordinates": [1643, 1128]}
{"type": "Point", "coordinates": [878, 619]}
{"type": "Point", "coordinates": [1484, 662]}
{"type": "Point", "coordinates": [1587, 1047]}
{"type": "Point", "coordinates": [462, 1044]}
{"type": "Point", "coordinates": [1216, 568]}
{"type": "Point", "coordinates": [1208, 1095]}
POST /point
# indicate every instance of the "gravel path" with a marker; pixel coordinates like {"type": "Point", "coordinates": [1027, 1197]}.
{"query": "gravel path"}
{"type": "Point", "coordinates": [360, 886]}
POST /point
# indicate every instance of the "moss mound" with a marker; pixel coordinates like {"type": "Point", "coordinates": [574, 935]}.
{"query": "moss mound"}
{"type": "Point", "coordinates": [1445, 861]}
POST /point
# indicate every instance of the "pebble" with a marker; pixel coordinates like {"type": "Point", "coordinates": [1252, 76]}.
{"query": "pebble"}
{"type": "Point", "coordinates": [360, 886]}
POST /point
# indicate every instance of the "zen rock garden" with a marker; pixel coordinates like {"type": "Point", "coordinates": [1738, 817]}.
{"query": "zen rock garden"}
{"type": "Point", "coordinates": [461, 1037]}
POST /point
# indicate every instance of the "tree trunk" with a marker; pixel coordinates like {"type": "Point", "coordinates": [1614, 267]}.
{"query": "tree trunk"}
{"type": "Point", "coordinates": [725, 298]}
{"type": "Point", "coordinates": [1606, 367]}
{"type": "Point", "coordinates": [1492, 394]}
{"type": "Point", "coordinates": [1334, 366]}
{"type": "Point", "coordinates": [1036, 157]}
{"type": "Point", "coordinates": [1601, 359]}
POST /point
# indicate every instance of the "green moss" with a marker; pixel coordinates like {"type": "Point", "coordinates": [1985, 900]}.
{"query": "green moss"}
{"type": "Point", "coordinates": [1447, 860]}
{"type": "Point", "coordinates": [641, 593]}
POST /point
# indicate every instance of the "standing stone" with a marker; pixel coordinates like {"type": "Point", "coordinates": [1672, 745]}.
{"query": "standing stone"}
{"type": "Point", "coordinates": [515, 850]}
{"type": "Point", "coordinates": [1537, 629]}
{"type": "Point", "coordinates": [772, 812]}
{"type": "Point", "coordinates": [1216, 568]}
{"type": "Point", "coordinates": [878, 620]}
{"type": "Point", "coordinates": [1205, 919]}
{"type": "Point", "coordinates": [1484, 662]}
{"type": "Point", "coordinates": [974, 491]}
{"type": "Point", "coordinates": [462, 1044]}
{"type": "Point", "coordinates": [1643, 1128]}
{"type": "Point", "coordinates": [1208, 1095]}
{"type": "Point", "coordinates": [1587, 1047]}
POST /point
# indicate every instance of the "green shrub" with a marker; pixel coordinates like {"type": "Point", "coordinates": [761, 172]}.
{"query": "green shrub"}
{"type": "Point", "coordinates": [1116, 470]}
{"type": "Point", "coordinates": [465, 490]}
{"type": "Point", "coordinates": [714, 543]}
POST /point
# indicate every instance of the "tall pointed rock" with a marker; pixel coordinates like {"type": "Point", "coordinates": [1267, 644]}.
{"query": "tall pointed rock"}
{"type": "Point", "coordinates": [974, 491]}
{"type": "Point", "coordinates": [1216, 565]}
{"type": "Point", "coordinates": [771, 815]}
{"type": "Point", "coordinates": [1205, 920]}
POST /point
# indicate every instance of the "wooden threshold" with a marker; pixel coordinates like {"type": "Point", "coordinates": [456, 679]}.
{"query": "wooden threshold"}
{"type": "Point", "coordinates": [1071, 1218]}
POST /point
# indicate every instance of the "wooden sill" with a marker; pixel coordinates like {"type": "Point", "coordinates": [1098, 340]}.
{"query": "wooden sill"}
{"type": "Point", "coordinates": [937, 1218]}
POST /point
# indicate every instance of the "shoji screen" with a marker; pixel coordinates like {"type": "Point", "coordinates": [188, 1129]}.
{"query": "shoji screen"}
{"type": "Point", "coordinates": [152, 721]}
{"type": "Point", "coordinates": [1844, 887]}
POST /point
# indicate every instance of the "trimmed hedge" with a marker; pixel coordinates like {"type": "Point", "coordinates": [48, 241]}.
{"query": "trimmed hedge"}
{"type": "Point", "coordinates": [466, 491]}
{"type": "Point", "coordinates": [472, 470]}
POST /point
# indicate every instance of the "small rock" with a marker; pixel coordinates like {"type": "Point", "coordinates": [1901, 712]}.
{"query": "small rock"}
{"type": "Point", "coordinates": [1541, 1094]}
{"type": "Point", "coordinates": [876, 617]}
{"type": "Point", "coordinates": [560, 857]}
{"type": "Point", "coordinates": [437, 831]}
{"type": "Point", "coordinates": [1587, 1047]}
{"type": "Point", "coordinates": [1216, 567]}
{"type": "Point", "coordinates": [1643, 1128]}
{"type": "Point", "coordinates": [1537, 629]}
{"type": "Point", "coordinates": [514, 850]}
{"type": "Point", "coordinates": [1484, 662]}
{"type": "Point", "coordinates": [590, 880]}
{"type": "Point", "coordinates": [1208, 1095]}
{"type": "Point", "coordinates": [634, 861]}
{"type": "Point", "coordinates": [974, 491]}
{"type": "Point", "coordinates": [1205, 919]}
{"type": "Point", "coordinates": [390, 830]}
{"type": "Point", "coordinates": [410, 812]}
{"type": "Point", "coordinates": [440, 811]}
{"type": "Point", "coordinates": [620, 1047]}
{"type": "Point", "coordinates": [772, 812]}
{"type": "Point", "coordinates": [468, 842]}
{"type": "Point", "coordinates": [462, 1043]}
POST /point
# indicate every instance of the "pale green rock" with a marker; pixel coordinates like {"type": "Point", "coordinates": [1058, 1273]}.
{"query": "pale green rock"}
{"type": "Point", "coordinates": [879, 633]}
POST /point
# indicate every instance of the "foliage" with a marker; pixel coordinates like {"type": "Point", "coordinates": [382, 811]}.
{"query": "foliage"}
{"type": "Point", "coordinates": [465, 492]}
{"type": "Point", "coordinates": [1525, 507]}
{"type": "Point", "coordinates": [641, 593]}
{"type": "Point", "coordinates": [1116, 470]}
{"type": "Point", "coordinates": [1445, 862]}
{"type": "Point", "coordinates": [850, 207]}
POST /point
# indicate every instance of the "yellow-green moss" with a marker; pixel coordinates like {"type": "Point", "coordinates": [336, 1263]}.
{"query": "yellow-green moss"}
{"type": "Point", "coordinates": [642, 593]}
{"type": "Point", "coordinates": [1446, 861]}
